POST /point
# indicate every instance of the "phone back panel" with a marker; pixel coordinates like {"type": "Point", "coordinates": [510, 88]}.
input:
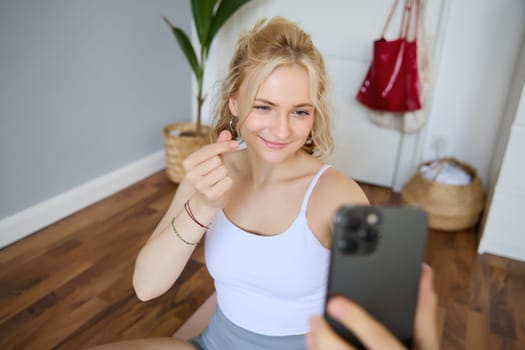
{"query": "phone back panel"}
{"type": "Point", "coordinates": [382, 275]}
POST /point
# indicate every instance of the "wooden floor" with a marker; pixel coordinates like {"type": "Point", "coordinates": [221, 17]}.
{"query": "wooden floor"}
{"type": "Point", "coordinates": [69, 285]}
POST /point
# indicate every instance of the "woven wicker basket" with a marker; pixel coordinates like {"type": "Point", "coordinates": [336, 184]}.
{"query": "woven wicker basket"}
{"type": "Point", "coordinates": [449, 207]}
{"type": "Point", "coordinates": [178, 147]}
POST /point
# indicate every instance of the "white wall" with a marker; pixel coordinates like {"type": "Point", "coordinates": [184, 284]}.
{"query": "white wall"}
{"type": "Point", "coordinates": [85, 89]}
{"type": "Point", "coordinates": [474, 65]}
{"type": "Point", "coordinates": [502, 232]}
{"type": "Point", "coordinates": [475, 111]}
{"type": "Point", "coordinates": [478, 60]}
{"type": "Point", "coordinates": [347, 55]}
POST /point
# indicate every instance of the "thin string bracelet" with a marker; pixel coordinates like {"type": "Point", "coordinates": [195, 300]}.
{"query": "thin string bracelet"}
{"type": "Point", "coordinates": [190, 214]}
{"type": "Point", "coordinates": [179, 236]}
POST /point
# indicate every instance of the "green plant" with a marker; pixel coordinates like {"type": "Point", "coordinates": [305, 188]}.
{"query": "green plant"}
{"type": "Point", "coordinates": [208, 17]}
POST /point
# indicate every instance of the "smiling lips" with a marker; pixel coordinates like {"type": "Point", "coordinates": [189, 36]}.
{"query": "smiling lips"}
{"type": "Point", "coordinates": [274, 145]}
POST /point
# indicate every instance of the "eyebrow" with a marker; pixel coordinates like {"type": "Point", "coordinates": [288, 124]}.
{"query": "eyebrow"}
{"type": "Point", "coordinates": [274, 104]}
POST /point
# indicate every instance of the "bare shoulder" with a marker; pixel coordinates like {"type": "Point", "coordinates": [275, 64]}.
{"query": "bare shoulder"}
{"type": "Point", "coordinates": [333, 190]}
{"type": "Point", "coordinates": [338, 188]}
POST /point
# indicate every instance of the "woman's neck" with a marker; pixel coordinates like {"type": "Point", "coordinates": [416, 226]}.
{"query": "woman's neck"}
{"type": "Point", "coordinates": [261, 173]}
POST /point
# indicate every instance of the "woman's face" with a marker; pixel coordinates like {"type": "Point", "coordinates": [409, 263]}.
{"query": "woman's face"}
{"type": "Point", "coordinates": [281, 117]}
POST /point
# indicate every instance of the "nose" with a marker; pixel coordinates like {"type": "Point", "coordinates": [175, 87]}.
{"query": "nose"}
{"type": "Point", "coordinates": [282, 127]}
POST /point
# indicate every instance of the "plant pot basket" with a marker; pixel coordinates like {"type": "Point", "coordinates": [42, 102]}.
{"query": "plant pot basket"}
{"type": "Point", "coordinates": [177, 147]}
{"type": "Point", "coordinates": [449, 207]}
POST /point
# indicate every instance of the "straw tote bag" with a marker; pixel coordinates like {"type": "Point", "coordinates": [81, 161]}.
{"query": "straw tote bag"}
{"type": "Point", "coordinates": [392, 81]}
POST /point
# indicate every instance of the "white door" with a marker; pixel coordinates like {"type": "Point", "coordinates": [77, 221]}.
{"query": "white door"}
{"type": "Point", "coordinates": [343, 30]}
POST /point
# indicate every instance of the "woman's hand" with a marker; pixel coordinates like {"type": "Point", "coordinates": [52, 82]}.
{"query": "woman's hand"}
{"type": "Point", "coordinates": [371, 333]}
{"type": "Point", "coordinates": [206, 171]}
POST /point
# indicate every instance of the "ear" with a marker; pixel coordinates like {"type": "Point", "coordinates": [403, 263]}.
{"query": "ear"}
{"type": "Point", "coordinates": [234, 108]}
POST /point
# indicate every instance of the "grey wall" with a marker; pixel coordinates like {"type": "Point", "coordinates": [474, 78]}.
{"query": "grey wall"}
{"type": "Point", "coordinates": [85, 88]}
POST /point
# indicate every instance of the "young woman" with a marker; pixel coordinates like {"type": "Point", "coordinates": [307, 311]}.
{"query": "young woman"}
{"type": "Point", "coordinates": [264, 209]}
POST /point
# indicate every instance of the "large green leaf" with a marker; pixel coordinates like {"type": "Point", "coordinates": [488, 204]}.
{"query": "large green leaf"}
{"type": "Point", "coordinates": [202, 14]}
{"type": "Point", "coordinates": [187, 48]}
{"type": "Point", "coordinates": [224, 11]}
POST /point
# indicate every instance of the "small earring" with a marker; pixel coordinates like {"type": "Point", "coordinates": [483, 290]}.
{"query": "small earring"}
{"type": "Point", "coordinates": [309, 141]}
{"type": "Point", "coordinates": [232, 124]}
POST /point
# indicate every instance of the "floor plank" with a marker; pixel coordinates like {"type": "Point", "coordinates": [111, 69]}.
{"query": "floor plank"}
{"type": "Point", "coordinates": [68, 286]}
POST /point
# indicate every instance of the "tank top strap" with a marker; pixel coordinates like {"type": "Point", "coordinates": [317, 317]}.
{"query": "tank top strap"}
{"type": "Point", "coordinates": [312, 185]}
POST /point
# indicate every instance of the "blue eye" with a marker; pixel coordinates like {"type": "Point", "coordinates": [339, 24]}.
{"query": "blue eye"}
{"type": "Point", "coordinates": [302, 113]}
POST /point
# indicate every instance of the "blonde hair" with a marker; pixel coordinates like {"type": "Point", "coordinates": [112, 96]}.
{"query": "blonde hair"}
{"type": "Point", "coordinates": [270, 44]}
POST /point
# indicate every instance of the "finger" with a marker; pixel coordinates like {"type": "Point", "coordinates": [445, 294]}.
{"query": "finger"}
{"type": "Point", "coordinates": [205, 167]}
{"type": "Point", "coordinates": [208, 152]}
{"type": "Point", "coordinates": [369, 331]}
{"type": "Point", "coordinates": [224, 135]}
{"type": "Point", "coordinates": [205, 184]}
{"type": "Point", "coordinates": [220, 188]}
{"type": "Point", "coordinates": [426, 292]}
{"type": "Point", "coordinates": [322, 336]}
{"type": "Point", "coordinates": [216, 175]}
{"type": "Point", "coordinates": [425, 325]}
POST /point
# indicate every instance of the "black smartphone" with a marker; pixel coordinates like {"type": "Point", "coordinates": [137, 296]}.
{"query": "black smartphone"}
{"type": "Point", "coordinates": [376, 261]}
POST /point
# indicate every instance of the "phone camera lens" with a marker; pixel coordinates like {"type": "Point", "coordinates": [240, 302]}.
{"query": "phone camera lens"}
{"type": "Point", "coordinates": [348, 245]}
{"type": "Point", "coordinates": [371, 235]}
{"type": "Point", "coordinates": [353, 222]}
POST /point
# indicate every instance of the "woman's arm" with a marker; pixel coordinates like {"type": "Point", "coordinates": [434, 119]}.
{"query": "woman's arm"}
{"type": "Point", "coordinates": [163, 257]}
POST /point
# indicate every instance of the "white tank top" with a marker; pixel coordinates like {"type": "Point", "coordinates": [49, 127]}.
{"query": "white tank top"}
{"type": "Point", "coordinates": [269, 285]}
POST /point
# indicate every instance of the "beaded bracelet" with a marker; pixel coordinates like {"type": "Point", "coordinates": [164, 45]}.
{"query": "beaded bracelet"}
{"type": "Point", "coordinates": [190, 214]}
{"type": "Point", "coordinates": [179, 236]}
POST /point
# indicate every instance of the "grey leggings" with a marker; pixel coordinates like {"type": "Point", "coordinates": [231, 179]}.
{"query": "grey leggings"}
{"type": "Point", "coordinates": [222, 334]}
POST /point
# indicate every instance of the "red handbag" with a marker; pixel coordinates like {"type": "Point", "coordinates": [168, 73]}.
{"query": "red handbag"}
{"type": "Point", "coordinates": [392, 81]}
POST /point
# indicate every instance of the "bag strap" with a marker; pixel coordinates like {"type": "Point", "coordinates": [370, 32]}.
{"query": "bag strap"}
{"type": "Point", "coordinates": [389, 18]}
{"type": "Point", "coordinates": [405, 21]}
{"type": "Point", "coordinates": [409, 6]}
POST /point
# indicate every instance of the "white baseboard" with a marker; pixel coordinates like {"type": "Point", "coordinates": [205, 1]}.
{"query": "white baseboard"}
{"type": "Point", "coordinates": [502, 249]}
{"type": "Point", "coordinates": [30, 220]}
